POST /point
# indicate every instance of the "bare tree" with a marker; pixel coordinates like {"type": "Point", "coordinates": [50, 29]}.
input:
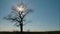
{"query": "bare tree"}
{"type": "Point", "coordinates": [18, 14]}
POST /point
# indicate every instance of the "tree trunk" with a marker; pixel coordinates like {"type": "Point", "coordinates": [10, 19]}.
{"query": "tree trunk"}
{"type": "Point", "coordinates": [21, 27]}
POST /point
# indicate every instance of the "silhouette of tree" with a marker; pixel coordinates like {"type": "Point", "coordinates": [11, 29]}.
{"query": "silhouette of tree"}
{"type": "Point", "coordinates": [18, 14]}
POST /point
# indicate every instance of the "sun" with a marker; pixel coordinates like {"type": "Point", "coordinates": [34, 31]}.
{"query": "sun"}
{"type": "Point", "coordinates": [21, 8]}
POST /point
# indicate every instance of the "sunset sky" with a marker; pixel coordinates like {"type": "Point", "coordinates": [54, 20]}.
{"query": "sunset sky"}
{"type": "Point", "coordinates": [45, 15]}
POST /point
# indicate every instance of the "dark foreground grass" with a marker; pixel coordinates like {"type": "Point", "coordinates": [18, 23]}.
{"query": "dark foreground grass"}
{"type": "Point", "coordinates": [16, 32]}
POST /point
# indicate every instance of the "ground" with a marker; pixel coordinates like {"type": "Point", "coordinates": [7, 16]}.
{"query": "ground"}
{"type": "Point", "coordinates": [16, 32]}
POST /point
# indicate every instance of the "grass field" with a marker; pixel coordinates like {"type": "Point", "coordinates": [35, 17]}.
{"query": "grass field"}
{"type": "Point", "coordinates": [16, 32]}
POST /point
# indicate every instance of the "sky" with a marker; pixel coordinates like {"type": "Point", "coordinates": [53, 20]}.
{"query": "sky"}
{"type": "Point", "coordinates": [45, 15]}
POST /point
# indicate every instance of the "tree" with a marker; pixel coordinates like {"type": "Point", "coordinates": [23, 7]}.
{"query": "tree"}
{"type": "Point", "coordinates": [18, 14]}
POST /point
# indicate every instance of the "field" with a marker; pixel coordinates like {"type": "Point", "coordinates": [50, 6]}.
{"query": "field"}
{"type": "Point", "coordinates": [16, 32]}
